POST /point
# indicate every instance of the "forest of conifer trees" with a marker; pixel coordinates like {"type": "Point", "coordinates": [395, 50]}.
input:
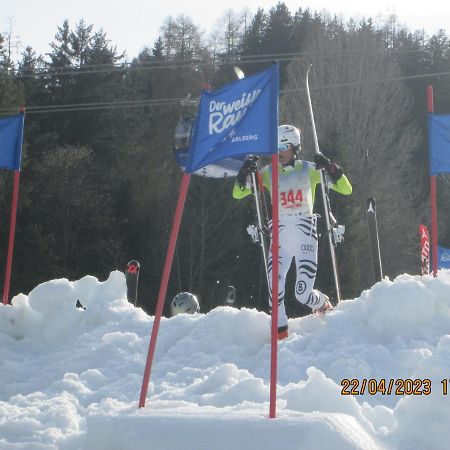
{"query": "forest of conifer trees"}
{"type": "Point", "coordinates": [99, 182]}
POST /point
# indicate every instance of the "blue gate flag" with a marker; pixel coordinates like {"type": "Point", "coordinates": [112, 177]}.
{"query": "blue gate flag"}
{"type": "Point", "coordinates": [443, 258]}
{"type": "Point", "coordinates": [239, 119]}
{"type": "Point", "coordinates": [11, 133]}
{"type": "Point", "coordinates": [439, 142]}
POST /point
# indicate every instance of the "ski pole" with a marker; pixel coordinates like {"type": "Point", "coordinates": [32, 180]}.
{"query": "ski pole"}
{"type": "Point", "coordinates": [260, 223]}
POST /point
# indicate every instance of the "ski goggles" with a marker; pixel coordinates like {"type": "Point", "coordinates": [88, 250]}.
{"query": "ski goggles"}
{"type": "Point", "coordinates": [284, 147]}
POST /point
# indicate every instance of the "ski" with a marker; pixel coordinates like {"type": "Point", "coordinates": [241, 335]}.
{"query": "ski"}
{"type": "Point", "coordinates": [132, 279]}
{"type": "Point", "coordinates": [334, 232]}
{"type": "Point", "coordinates": [374, 239]}
{"type": "Point", "coordinates": [239, 72]}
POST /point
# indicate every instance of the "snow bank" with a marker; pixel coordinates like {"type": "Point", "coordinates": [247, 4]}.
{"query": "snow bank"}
{"type": "Point", "coordinates": [71, 377]}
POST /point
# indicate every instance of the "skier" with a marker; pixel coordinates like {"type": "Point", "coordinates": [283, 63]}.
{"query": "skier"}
{"type": "Point", "coordinates": [297, 222]}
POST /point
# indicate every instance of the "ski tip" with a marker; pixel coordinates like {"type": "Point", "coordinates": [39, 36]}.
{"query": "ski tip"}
{"type": "Point", "coordinates": [239, 72]}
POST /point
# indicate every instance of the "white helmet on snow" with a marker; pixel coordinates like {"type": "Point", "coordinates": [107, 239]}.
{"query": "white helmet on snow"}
{"type": "Point", "coordinates": [184, 303]}
{"type": "Point", "coordinates": [288, 134]}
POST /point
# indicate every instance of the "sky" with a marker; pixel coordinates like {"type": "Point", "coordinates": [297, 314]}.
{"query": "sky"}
{"type": "Point", "coordinates": [135, 24]}
{"type": "Point", "coordinates": [70, 378]}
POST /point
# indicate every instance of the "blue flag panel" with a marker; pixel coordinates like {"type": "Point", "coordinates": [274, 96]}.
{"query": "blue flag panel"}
{"type": "Point", "coordinates": [443, 258]}
{"type": "Point", "coordinates": [11, 132]}
{"type": "Point", "coordinates": [239, 119]}
{"type": "Point", "coordinates": [439, 142]}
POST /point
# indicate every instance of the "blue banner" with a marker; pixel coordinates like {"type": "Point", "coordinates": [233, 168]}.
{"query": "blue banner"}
{"type": "Point", "coordinates": [239, 119]}
{"type": "Point", "coordinates": [11, 133]}
{"type": "Point", "coordinates": [443, 258]}
{"type": "Point", "coordinates": [439, 142]}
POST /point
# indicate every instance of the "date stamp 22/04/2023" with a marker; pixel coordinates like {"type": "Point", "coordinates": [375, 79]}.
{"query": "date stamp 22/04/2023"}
{"type": "Point", "coordinates": [392, 386]}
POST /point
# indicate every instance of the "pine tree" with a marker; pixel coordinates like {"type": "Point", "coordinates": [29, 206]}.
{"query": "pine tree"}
{"type": "Point", "coordinates": [252, 41]}
{"type": "Point", "coordinates": [29, 72]}
{"type": "Point", "coordinates": [11, 92]}
{"type": "Point", "coordinates": [278, 32]}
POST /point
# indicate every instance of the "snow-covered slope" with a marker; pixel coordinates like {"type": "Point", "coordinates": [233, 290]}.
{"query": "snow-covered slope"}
{"type": "Point", "coordinates": [71, 378]}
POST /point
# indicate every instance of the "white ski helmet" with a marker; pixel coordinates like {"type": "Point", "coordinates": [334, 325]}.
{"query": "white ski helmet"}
{"type": "Point", "coordinates": [288, 134]}
{"type": "Point", "coordinates": [184, 303]}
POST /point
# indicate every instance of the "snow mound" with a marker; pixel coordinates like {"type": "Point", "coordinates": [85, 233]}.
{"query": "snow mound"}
{"type": "Point", "coordinates": [71, 377]}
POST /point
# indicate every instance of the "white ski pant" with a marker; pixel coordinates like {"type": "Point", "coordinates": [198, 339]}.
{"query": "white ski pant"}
{"type": "Point", "coordinates": [298, 241]}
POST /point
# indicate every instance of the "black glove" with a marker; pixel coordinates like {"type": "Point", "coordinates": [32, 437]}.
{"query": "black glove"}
{"type": "Point", "coordinates": [332, 169]}
{"type": "Point", "coordinates": [248, 166]}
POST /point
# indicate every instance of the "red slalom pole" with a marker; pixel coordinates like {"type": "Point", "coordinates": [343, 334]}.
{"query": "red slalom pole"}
{"type": "Point", "coordinates": [12, 232]}
{"type": "Point", "coordinates": [434, 231]}
{"type": "Point", "coordinates": [433, 197]}
{"type": "Point", "coordinates": [163, 287]}
{"type": "Point", "coordinates": [275, 248]}
{"type": "Point", "coordinates": [12, 224]}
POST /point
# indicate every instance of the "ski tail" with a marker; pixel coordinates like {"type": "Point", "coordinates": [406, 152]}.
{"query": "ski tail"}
{"type": "Point", "coordinates": [374, 238]}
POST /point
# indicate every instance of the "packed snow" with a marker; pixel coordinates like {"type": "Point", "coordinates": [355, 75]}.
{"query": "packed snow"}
{"type": "Point", "coordinates": [71, 378]}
